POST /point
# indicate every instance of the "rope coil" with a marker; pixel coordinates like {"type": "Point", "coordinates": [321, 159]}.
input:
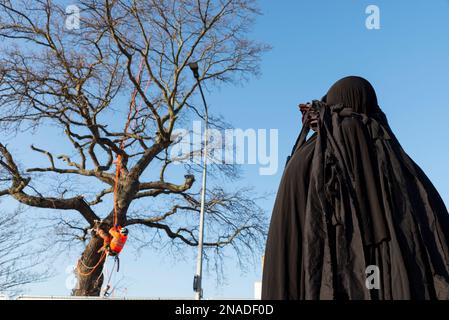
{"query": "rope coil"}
{"type": "Point", "coordinates": [92, 269]}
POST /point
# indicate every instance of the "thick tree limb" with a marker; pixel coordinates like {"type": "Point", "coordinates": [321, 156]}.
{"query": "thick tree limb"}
{"type": "Point", "coordinates": [166, 228]}
{"type": "Point", "coordinates": [162, 187]}
{"type": "Point", "coordinates": [192, 241]}
{"type": "Point", "coordinates": [146, 159]}
{"type": "Point", "coordinates": [19, 183]}
{"type": "Point", "coordinates": [101, 175]}
{"type": "Point", "coordinates": [76, 203]}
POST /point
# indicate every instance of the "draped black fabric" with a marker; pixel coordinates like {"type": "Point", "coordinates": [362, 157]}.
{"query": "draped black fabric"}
{"type": "Point", "coordinates": [350, 198]}
{"type": "Point", "coordinates": [354, 92]}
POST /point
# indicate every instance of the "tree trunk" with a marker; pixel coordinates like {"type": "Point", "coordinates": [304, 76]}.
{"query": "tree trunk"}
{"type": "Point", "coordinates": [90, 279]}
{"type": "Point", "coordinates": [90, 268]}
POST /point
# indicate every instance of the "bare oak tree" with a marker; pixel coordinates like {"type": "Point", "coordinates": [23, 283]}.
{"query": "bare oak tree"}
{"type": "Point", "coordinates": [117, 88]}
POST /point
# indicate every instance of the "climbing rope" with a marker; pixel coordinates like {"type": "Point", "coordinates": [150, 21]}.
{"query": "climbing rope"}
{"type": "Point", "coordinates": [92, 269]}
{"type": "Point", "coordinates": [108, 283]}
{"type": "Point", "coordinates": [118, 161]}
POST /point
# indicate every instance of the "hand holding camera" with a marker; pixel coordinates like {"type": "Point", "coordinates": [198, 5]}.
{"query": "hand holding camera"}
{"type": "Point", "coordinates": [310, 115]}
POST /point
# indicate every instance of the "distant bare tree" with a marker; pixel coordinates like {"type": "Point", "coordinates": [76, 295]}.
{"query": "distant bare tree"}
{"type": "Point", "coordinates": [80, 81]}
{"type": "Point", "coordinates": [19, 255]}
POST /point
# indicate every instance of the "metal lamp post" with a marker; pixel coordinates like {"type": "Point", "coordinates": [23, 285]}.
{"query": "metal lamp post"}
{"type": "Point", "coordinates": [197, 281]}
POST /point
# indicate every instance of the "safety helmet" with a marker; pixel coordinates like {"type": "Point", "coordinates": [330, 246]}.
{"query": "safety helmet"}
{"type": "Point", "coordinates": [124, 231]}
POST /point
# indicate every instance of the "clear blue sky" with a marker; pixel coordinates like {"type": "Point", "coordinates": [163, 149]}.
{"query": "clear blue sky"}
{"type": "Point", "coordinates": [314, 44]}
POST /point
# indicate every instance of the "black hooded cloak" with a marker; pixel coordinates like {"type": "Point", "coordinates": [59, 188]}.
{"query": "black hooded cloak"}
{"type": "Point", "coordinates": [350, 197]}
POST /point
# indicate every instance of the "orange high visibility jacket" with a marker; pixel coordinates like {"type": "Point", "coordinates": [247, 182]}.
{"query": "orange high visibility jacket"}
{"type": "Point", "coordinates": [118, 239]}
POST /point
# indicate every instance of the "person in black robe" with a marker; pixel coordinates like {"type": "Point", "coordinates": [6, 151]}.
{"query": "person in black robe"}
{"type": "Point", "coordinates": [355, 217]}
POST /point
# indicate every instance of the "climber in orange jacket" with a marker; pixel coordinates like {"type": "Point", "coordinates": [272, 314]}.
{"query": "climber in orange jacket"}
{"type": "Point", "coordinates": [114, 240]}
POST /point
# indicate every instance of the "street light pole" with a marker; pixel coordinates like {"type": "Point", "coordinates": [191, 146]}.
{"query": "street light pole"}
{"type": "Point", "coordinates": [197, 282]}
